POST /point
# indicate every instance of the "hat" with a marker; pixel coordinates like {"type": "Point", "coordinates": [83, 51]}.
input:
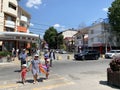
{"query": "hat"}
{"type": "Point", "coordinates": [48, 59]}
{"type": "Point", "coordinates": [24, 65]}
{"type": "Point", "coordinates": [23, 50]}
{"type": "Point", "coordinates": [36, 55]}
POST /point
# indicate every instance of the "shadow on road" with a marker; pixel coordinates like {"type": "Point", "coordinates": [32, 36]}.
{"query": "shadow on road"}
{"type": "Point", "coordinates": [107, 84]}
{"type": "Point", "coordinates": [31, 80]}
{"type": "Point", "coordinates": [17, 70]}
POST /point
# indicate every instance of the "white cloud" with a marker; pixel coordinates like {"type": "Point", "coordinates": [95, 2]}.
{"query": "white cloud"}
{"type": "Point", "coordinates": [56, 25]}
{"type": "Point", "coordinates": [105, 9]}
{"type": "Point", "coordinates": [59, 27]}
{"type": "Point", "coordinates": [31, 24]}
{"type": "Point", "coordinates": [33, 3]}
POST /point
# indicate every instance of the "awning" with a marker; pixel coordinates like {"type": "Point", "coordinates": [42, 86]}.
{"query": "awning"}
{"type": "Point", "coordinates": [19, 36]}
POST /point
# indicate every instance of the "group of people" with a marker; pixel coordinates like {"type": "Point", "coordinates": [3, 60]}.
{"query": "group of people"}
{"type": "Point", "coordinates": [35, 65]}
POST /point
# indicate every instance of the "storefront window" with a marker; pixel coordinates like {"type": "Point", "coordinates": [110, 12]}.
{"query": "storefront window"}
{"type": "Point", "coordinates": [9, 45]}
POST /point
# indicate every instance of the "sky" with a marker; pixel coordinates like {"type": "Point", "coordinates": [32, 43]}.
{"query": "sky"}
{"type": "Point", "coordinates": [64, 14]}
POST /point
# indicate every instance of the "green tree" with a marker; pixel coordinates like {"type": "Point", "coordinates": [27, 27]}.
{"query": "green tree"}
{"type": "Point", "coordinates": [50, 37]}
{"type": "Point", "coordinates": [59, 40]}
{"type": "Point", "coordinates": [114, 16]}
{"type": "Point", "coordinates": [53, 38]}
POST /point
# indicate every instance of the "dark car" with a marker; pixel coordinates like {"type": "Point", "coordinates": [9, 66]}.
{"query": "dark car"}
{"type": "Point", "coordinates": [87, 55]}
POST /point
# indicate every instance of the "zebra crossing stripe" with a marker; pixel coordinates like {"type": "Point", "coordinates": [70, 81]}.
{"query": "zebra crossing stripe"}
{"type": "Point", "coordinates": [53, 86]}
{"type": "Point", "coordinates": [8, 86]}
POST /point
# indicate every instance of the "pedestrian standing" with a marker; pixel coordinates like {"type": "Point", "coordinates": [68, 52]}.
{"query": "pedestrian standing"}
{"type": "Point", "coordinates": [13, 54]}
{"type": "Point", "coordinates": [38, 51]}
{"type": "Point", "coordinates": [46, 56]}
{"type": "Point", "coordinates": [23, 57]}
{"type": "Point", "coordinates": [17, 52]}
{"type": "Point", "coordinates": [34, 67]}
{"type": "Point", "coordinates": [52, 57]}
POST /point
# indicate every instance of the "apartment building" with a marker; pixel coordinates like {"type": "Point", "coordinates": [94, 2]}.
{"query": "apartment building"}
{"type": "Point", "coordinates": [81, 39]}
{"type": "Point", "coordinates": [69, 39]}
{"type": "Point", "coordinates": [102, 38]}
{"type": "Point", "coordinates": [14, 26]}
{"type": "Point", "coordinates": [99, 37]}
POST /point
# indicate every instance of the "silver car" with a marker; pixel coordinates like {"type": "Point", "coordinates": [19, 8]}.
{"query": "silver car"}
{"type": "Point", "coordinates": [112, 53]}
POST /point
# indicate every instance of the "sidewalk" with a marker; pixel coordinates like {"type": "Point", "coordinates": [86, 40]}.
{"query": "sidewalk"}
{"type": "Point", "coordinates": [15, 62]}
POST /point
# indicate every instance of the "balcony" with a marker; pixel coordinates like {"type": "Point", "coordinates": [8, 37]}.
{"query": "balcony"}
{"type": "Point", "coordinates": [21, 29]}
{"type": "Point", "coordinates": [24, 18]}
{"type": "Point", "coordinates": [10, 24]}
{"type": "Point", "coordinates": [10, 11]}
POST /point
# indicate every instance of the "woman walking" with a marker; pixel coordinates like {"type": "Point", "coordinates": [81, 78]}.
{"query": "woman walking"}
{"type": "Point", "coordinates": [34, 67]}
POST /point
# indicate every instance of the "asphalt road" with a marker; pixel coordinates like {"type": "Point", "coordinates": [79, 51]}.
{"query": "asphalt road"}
{"type": "Point", "coordinates": [66, 74]}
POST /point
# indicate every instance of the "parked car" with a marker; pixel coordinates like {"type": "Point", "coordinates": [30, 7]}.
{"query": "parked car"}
{"type": "Point", "coordinates": [87, 55]}
{"type": "Point", "coordinates": [112, 53]}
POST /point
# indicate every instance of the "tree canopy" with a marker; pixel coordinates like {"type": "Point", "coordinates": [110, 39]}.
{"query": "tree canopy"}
{"type": "Point", "coordinates": [114, 16]}
{"type": "Point", "coordinates": [53, 38]}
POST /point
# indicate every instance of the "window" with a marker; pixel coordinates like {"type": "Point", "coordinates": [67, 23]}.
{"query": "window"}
{"type": "Point", "coordinates": [9, 29]}
{"type": "Point", "coordinates": [78, 37]}
{"type": "Point", "coordinates": [9, 18]}
{"type": "Point", "coordinates": [92, 39]}
{"type": "Point", "coordinates": [92, 32]}
{"type": "Point", "coordinates": [21, 24]}
{"type": "Point", "coordinates": [12, 6]}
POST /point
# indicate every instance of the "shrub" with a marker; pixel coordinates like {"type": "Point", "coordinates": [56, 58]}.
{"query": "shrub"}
{"type": "Point", "coordinates": [115, 64]}
{"type": "Point", "coordinates": [4, 53]}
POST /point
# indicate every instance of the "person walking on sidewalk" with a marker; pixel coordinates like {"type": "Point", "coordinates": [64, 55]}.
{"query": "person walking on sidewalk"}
{"type": "Point", "coordinates": [34, 67]}
{"type": "Point", "coordinates": [52, 57]}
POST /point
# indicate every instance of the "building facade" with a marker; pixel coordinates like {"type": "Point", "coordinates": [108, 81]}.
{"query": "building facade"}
{"type": "Point", "coordinates": [99, 37]}
{"type": "Point", "coordinates": [14, 26]}
{"type": "Point", "coordinates": [69, 39]}
{"type": "Point", "coordinates": [81, 39]}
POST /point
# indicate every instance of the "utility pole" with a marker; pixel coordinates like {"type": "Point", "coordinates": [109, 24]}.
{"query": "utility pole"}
{"type": "Point", "coordinates": [105, 36]}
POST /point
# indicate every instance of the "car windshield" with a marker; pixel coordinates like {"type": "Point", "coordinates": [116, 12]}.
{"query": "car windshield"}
{"type": "Point", "coordinates": [84, 51]}
{"type": "Point", "coordinates": [114, 51]}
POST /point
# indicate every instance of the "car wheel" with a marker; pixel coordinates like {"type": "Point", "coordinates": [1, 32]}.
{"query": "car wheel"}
{"type": "Point", "coordinates": [113, 57]}
{"type": "Point", "coordinates": [83, 57]}
{"type": "Point", "coordinates": [96, 57]}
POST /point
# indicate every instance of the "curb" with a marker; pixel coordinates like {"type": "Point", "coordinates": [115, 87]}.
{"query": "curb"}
{"type": "Point", "coordinates": [1, 64]}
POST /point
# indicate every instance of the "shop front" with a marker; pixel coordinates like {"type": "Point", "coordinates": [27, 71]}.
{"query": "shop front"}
{"type": "Point", "coordinates": [17, 40]}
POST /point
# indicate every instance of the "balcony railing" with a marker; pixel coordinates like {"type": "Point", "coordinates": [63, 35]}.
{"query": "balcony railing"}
{"type": "Point", "coordinates": [24, 18]}
{"type": "Point", "coordinates": [10, 24]}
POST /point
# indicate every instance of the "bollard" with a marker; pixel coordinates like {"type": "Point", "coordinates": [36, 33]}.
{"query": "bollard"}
{"type": "Point", "coordinates": [59, 58]}
{"type": "Point", "coordinates": [68, 57]}
{"type": "Point", "coordinates": [103, 56]}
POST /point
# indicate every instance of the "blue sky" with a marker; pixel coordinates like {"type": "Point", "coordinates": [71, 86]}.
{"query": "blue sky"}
{"type": "Point", "coordinates": [64, 14]}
